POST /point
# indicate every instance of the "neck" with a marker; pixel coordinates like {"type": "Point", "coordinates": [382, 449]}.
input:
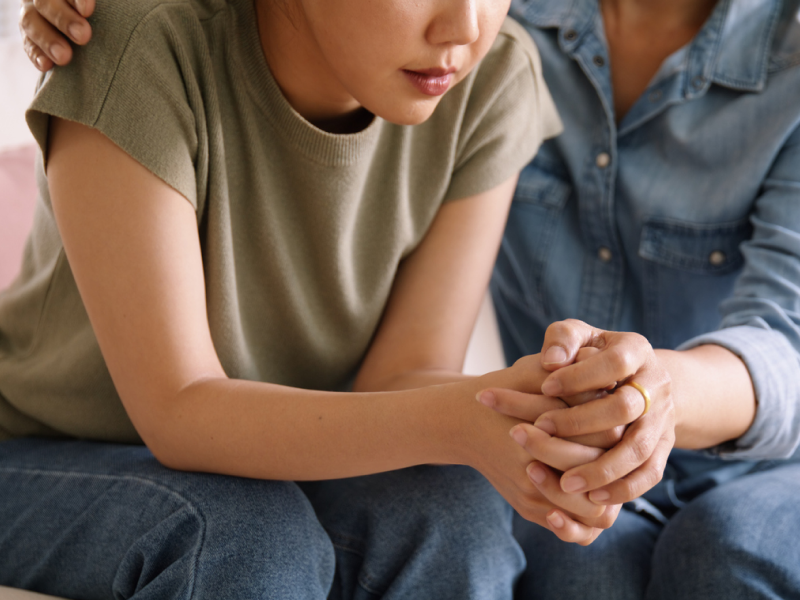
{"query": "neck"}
{"type": "Point", "coordinates": [301, 71]}
{"type": "Point", "coordinates": [682, 14]}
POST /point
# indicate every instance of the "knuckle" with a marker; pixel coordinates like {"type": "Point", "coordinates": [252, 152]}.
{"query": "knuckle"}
{"type": "Point", "coordinates": [618, 360]}
{"type": "Point", "coordinates": [629, 406]}
{"type": "Point", "coordinates": [654, 477]}
{"type": "Point", "coordinates": [628, 489]}
{"type": "Point", "coordinates": [596, 513]}
{"type": "Point", "coordinates": [606, 475]}
{"type": "Point", "coordinates": [570, 425]}
{"type": "Point", "coordinates": [574, 323]}
{"type": "Point", "coordinates": [606, 520]}
{"type": "Point", "coordinates": [615, 435]}
{"type": "Point", "coordinates": [559, 329]}
{"type": "Point", "coordinates": [640, 449]}
{"type": "Point", "coordinates": [640, 342]}
{"type": "Point", "coordinates": [26, 17]}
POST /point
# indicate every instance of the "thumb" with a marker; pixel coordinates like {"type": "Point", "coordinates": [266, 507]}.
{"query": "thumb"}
{"type": "Point", "coordinates": [563, 340]}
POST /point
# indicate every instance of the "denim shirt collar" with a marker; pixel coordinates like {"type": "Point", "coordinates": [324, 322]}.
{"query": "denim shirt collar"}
{"type": "Point", "coordinates": [732, 49]}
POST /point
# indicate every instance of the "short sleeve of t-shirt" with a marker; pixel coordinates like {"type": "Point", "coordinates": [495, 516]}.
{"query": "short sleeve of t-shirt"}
{"type": "Point", "coordinates": [508, 115]}
{"type": "Point", "coordinates": [134, 83]}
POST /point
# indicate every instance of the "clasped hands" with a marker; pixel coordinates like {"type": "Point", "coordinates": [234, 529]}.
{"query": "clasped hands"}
{"type": "Point", "coordinates": [590, 446]}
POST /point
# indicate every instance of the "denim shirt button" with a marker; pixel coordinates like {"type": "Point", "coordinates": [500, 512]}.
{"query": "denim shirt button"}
{"type": "Point", "coordinates": [698, 82]}
{"type": "Point", "coordinates": [717, 258]}
{"type": "Point", "coordinates": [604, 254]}
{"type": "Point", "coordinates": [599, 61]}
{"type": "Point", "coordinates": [571, 35]}
{"type": "Point", "coordinates": [603, 160]}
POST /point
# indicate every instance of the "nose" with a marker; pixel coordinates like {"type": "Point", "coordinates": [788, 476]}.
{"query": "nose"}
{"type": "Point", "coordinates": [455, 23]}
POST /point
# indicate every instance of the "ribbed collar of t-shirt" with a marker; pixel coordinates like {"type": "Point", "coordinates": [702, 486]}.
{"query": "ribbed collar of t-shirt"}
{"type": "Point", "coordinates": [317, 145]}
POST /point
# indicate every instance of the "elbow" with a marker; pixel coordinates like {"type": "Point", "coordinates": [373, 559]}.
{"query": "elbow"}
{"type": "Point", "coordinates": [165, 428]}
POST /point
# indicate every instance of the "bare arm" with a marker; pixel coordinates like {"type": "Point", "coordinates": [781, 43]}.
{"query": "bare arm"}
{"type": "Point", "coordinates": [424, 333]}
{"type": "Point", "coordinates": [133, 246]}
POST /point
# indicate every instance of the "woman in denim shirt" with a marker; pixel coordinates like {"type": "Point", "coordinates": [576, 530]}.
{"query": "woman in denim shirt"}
{"type": "Point", "coordinates": [670, 206]}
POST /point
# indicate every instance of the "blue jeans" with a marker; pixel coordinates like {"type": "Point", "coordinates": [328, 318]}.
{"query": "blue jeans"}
{"type": "Point", "coordinates": [730, 533]}
{"type": "Point", "coordinates": [97, 521]}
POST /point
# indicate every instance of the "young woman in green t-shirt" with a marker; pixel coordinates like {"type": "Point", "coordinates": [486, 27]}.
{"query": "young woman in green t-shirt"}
{"type": "Point", "coordinates": [260, 271]}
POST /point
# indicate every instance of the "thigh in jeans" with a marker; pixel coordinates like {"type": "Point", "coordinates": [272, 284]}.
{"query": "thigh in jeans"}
{"type": "Point", "coordinates": [438, 532]}
{"type": "Point", "coordinates": [95, 521]}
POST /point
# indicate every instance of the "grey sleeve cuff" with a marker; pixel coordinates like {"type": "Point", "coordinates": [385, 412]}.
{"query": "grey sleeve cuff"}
{"type": "Point", "coordinates": [774, 366]}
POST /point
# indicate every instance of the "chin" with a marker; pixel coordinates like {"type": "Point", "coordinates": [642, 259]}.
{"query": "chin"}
{"type": "Point", "coordinates": [409, 113]}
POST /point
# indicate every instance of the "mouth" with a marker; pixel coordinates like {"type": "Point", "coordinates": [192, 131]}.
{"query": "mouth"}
{"type": "Point", "coordinates": [431, 82]}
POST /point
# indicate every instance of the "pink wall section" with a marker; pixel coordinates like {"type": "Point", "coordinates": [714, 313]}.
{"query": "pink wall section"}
{"type": "Point", "coordinates": [17, 199]}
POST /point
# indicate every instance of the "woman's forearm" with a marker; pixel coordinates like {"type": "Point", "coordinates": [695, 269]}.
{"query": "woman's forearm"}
{"type": "Point", "coordinates": [266, 431]}
{"type": "Point", "coordinates": [713, 394]}
{"type": "Point", "coordinates": [412, 380]}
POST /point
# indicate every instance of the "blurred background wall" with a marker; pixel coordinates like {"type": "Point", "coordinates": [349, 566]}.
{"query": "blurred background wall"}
{"type": "Point", "coordinates": [17, 80]}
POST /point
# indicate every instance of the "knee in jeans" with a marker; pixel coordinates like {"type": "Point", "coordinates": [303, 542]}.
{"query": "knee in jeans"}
{"type": "Point", "coordinates": [227, 533]}
{"type": "Point", "coordinates": [458, 508]}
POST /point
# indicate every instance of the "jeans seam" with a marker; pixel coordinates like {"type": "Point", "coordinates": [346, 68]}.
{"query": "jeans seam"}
{"type": "Point", "coordinates": [142, 480]}
{"type": "Point", "coordinates": [365, 579]}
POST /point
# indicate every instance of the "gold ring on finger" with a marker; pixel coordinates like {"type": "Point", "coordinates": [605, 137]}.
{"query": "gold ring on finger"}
{"type": "Point", "coordinates": [645, 394]}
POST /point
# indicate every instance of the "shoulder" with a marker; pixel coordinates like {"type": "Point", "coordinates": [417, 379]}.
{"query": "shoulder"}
{"type": "Point", "coordinates": [509, 79]}
{"type": "Point", "coordinates": [115, 23]}
{"type": "Point", "coordinates": [136, 83]}
{"type": "Point", "coordinates": [514, 39]}
{"type": "Point", "coordinates": [158, 32]}
{"type": "Point", "coordinates": [513, 55]}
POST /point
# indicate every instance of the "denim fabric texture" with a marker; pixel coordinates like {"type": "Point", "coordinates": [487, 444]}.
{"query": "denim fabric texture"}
{"type": "Point", "coordinates": [95, 521]}
{"type": "Point", "coordinates": [680, 222]}
{"type": "Point", "coordinates": [735, 542]}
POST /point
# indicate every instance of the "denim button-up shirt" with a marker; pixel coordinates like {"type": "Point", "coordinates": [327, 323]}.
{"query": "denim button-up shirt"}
{"type": "Point", "coordinates": [682, 222]}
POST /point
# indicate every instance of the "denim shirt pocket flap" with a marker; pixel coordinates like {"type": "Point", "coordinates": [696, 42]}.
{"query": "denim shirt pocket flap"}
{"type": "Point", "coordinates": [697, 248]}
{"type": "Point", "coordinates": [537, 186]}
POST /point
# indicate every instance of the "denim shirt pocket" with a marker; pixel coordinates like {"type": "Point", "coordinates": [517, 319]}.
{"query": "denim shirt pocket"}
{"type": "Point", "coordinates": [539, 201]}
{"type": "Point", "coordinates": [688, 269]}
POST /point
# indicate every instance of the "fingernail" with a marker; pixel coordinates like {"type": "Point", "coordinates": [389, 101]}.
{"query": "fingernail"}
{"type": "Point", "coordinates": [555, 355]}
{"type": "Point", "coordinates": [75, 31]}
{"type": "Point", "coordinates": [40, 62]}
{"type": "Point", "coordinates": [573, 484]}
{"type": "Point", "coordinates": [599, 496]}
{"type": "Point", "coordinates": [536, 473]}
{"type": "Point", "coordinates": [519, 435]}
{"type": "Point", "coordinates": [555, 520]}
{"type": "Point", "coordinates": [552, 387]}
{"type": "Point", "coordinates": [58, 52]}
{"type": "Point", "coordinates": [546, 425]}
{"type": "Point", "coordinates": [79, 6]}
{"type": "Point", "coordinates": [486, 398]}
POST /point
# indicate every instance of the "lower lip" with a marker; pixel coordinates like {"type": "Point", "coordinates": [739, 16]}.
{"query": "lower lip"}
{"type": "Point", "coordinates": [428, 84]}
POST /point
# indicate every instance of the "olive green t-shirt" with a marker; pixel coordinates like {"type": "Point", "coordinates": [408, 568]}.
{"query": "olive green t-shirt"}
{"type": "Point", "coordinates": [302, 231]}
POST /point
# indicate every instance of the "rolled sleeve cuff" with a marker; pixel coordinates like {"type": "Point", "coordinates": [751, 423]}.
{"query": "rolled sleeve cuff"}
{"type": "Point", "coordinates": [774, 367]}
